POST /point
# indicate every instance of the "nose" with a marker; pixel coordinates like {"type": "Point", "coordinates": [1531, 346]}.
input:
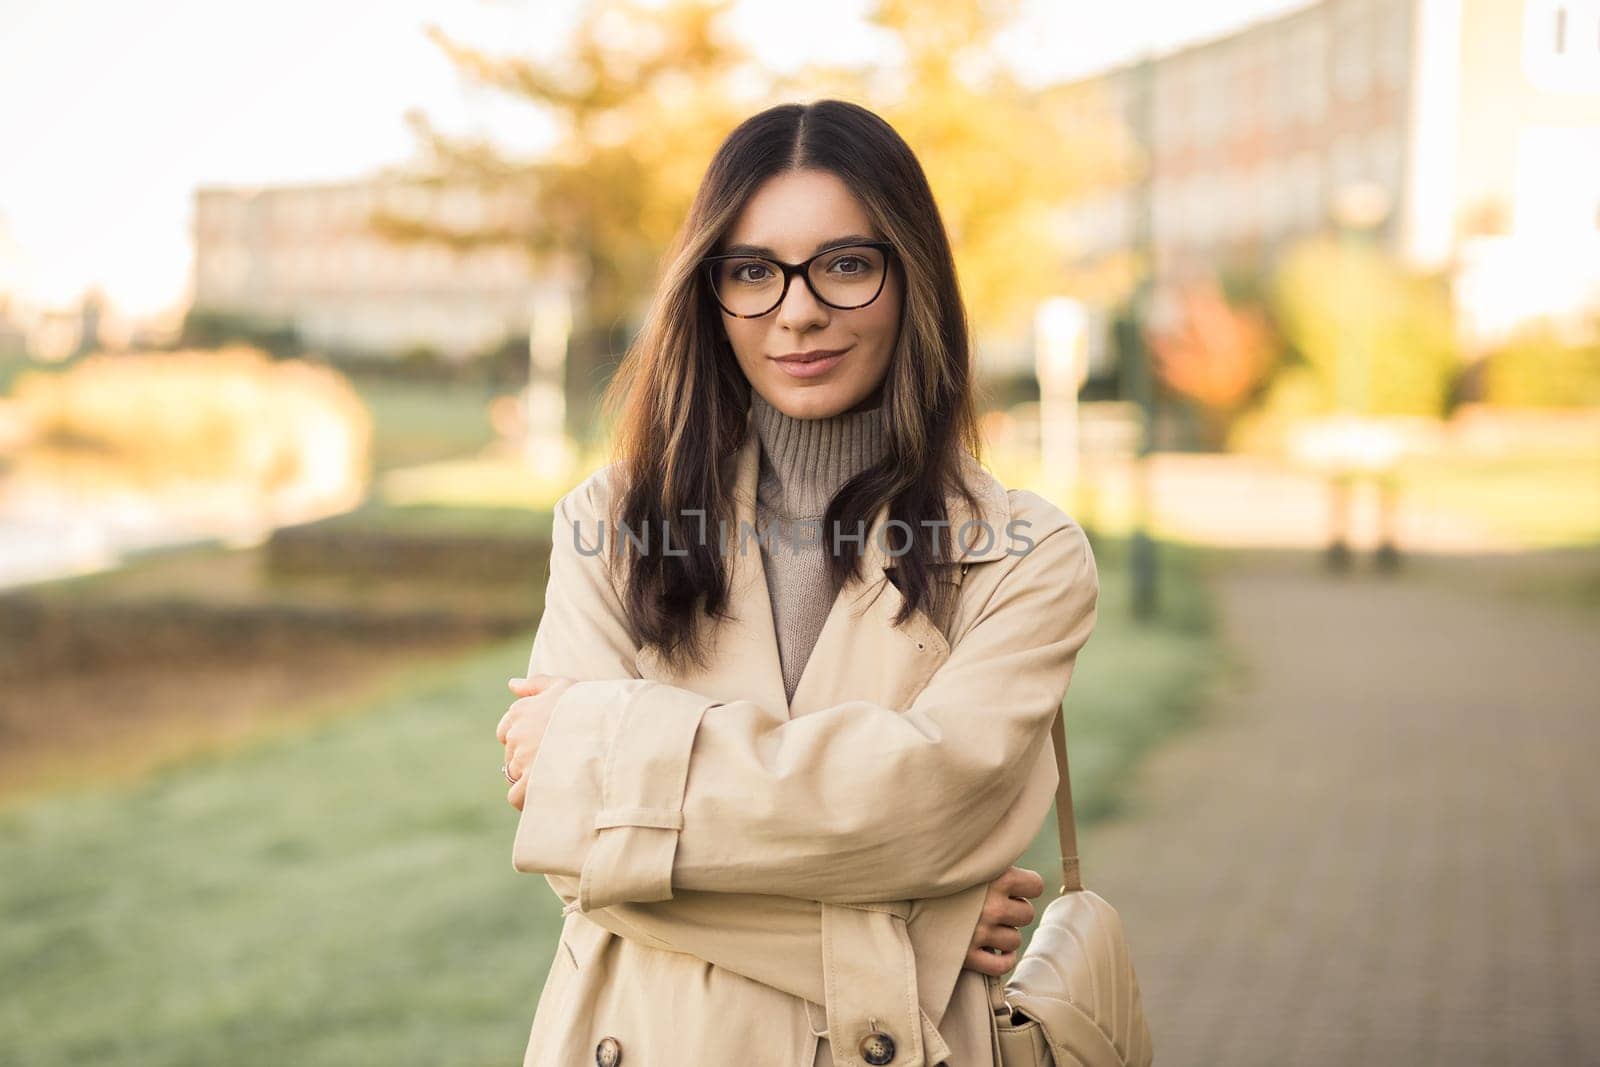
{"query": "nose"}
{"type": "Point", "coordinates": [800, 308]}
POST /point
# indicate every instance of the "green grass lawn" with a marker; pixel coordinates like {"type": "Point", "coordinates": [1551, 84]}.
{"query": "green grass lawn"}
{"type": "Point", "coordinates": [345, 895]}
{"type": "Point", "coordinates": [1542, 501]}
{"type": "Point", "coordinates": [1133, 687]}
{"type": "Point", "coordinates": [419, 422]}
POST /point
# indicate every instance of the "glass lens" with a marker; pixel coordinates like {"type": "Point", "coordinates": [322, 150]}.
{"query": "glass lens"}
{"type": "Point", "coordinates": [747, 285]}
{"type": "Point", "coordinates": [848, 277]}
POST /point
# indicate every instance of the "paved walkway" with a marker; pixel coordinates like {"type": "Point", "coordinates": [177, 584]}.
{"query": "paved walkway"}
{"type": "Point", "coordinates": [1383, 846]}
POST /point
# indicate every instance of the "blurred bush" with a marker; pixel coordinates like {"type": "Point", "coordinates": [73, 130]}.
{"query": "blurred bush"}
{"type": "Point", "coordinates": [208, 328]}
{"type": "Point", "coordinates": [1372, 337]}
{"type": "Point", "coordinates": [232, 415]}
{"type": "Point", "coordinates": [1217, 353]}
{"type": "Point", "coordinates": [1538, 368]}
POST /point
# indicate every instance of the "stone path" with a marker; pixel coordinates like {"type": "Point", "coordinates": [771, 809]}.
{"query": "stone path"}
{"type": "Point", "coordinates": [1383, 844]}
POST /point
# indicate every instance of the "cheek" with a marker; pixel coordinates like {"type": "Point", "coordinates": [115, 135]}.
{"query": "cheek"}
{"type": "Point", "coordinates": [745, 335]}
{"type": "Point", "coordinates": [885, 323]}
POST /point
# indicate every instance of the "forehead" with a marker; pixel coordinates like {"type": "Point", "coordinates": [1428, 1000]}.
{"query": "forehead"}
{"type": "Point", "coordinates": [795, 213]}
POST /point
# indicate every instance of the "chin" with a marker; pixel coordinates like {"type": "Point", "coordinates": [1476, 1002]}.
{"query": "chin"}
{"type": "Point", "coordinates": [812, 401]}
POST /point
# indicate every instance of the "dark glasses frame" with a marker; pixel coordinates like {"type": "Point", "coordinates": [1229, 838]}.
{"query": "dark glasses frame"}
{"type": "Point", "coordinates": [708, 266]}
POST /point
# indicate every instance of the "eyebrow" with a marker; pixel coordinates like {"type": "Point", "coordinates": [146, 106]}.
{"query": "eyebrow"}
{"type": "Point", "coordinates": [832, 242]}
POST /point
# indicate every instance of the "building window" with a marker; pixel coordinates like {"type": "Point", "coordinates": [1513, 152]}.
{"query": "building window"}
{"type": "Point", "coordinates": [1307, 72]}
{"type": "Point", "coordinates": [1162, 216]}
{"type": "Point", "coordinates": [1275, 197]}
{"type": "Point", "coordinates": [1308, 190]}
{"type": "Point", "coordinates": [1352, 50]}
{"type": "Point", "coordinates": [1561, 45]}
{"type": "Point", "coordinates": [1174, 108]}
{"type": "Point", "coordinates": [1345, 156]}
{"type": "Point", "coordinates": [1395, 48]}
{"type": "Point", "coordinates": [1384, 149]}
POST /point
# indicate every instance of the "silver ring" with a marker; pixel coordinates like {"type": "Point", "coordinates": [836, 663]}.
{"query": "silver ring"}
{"type": "Point", "coordinates": [505, 769]}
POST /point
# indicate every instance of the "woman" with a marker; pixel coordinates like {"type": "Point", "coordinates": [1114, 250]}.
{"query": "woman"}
{"type": "Point", "coordinates": [779, 787]}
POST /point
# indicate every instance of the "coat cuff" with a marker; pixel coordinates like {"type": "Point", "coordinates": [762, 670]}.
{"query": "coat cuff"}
{"type": "Point", "coordinates": [870, 984]}
{"type": "Point", "coordinates": [606, 789]}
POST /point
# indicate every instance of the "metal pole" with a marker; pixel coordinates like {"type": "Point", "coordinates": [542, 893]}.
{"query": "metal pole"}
{"type": "Point", "coordinates": [1142, 548]}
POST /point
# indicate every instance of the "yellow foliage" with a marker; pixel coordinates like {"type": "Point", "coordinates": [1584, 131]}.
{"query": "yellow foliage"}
{"type": "Point", "coordinates": [1540, 368]}
{"type": "Point", "coordinates": [1002, 158]}
{"type": "Point", "coordinates": [230, 415]}
{"type": "Point", "coordinates": [1378, 339]}
{"type": "Point", "coordinates": [646, 91]}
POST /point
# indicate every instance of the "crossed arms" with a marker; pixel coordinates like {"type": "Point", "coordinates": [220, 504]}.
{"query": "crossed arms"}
{"type": "Point", "coordinates": [641, 789]}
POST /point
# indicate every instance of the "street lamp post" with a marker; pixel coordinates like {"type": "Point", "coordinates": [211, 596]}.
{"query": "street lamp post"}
{"type": "Point", "coordinates": [546, 446]}
{"type": "Point", "coordinates": [1061, 363]}
{"type": "Point", "coordinates": [1141, 548]}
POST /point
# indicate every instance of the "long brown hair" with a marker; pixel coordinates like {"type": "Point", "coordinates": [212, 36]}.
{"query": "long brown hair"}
{"type": "Point", "coordinates": [679, 398]}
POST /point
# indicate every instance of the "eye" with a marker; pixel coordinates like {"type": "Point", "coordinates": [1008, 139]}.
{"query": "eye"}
{"type": "Point", "coordinates": [738, 275]}
{"type": "Point", "coordinates": [856, 264]}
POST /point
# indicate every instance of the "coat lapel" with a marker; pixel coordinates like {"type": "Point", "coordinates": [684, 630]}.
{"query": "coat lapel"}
{"type": "Point", "coordinates": [860, 653]}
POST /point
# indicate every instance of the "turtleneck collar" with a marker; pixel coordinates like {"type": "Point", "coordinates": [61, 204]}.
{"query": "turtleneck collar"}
{"type": "Point", "coordinates": [805, 461]}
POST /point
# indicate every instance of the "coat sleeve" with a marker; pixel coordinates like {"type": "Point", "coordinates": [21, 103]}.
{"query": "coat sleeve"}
{"type": "Point", "coordinates": [640, 787]}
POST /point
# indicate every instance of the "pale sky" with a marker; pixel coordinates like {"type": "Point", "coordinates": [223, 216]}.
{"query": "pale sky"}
{"type": "Point", "coordinates": [111, 113]}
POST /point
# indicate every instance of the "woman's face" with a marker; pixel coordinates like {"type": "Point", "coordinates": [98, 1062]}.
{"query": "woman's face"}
{"type": "Point", "coordinates": [791, 216]}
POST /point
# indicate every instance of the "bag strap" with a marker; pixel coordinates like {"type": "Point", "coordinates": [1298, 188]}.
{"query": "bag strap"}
{"type": "Point", "coordinates": [1066, 824]}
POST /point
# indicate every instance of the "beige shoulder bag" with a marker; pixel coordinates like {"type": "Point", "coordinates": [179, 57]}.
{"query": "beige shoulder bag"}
{"type": "Point", "coordinates": [1072, 997]}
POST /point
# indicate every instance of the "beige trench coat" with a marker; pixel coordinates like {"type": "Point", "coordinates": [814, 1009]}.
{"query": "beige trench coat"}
{"type": "Point", "coordinates": [752, 881]}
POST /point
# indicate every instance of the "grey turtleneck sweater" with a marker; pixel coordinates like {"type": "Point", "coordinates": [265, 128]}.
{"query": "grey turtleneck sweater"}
{"type": "Point", "coordinates": [803, 463]}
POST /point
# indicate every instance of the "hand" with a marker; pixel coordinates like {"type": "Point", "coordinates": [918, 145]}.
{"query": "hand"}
{"type": "Point", "coordinates": [523, 725]}
{"type": "Point", "coordinates": [998, 935]}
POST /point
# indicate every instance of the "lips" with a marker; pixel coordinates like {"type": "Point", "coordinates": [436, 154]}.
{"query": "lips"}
{"type": "Point", "coordinates": [810, 357]}
{"type": "Point", "coordinates": [810, 364]}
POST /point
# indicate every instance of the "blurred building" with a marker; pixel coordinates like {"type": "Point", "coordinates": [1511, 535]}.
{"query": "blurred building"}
{"type": "Point", "coordinates": [51, 334]}
{"type": "Point", "coordinates": [1462, 134]}
{"type": "Point", "coordinates": [310, 257]}
{"type": "Point", "coordinates": [13, 335]}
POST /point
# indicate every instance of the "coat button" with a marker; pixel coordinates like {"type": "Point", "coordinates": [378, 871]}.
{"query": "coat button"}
{"type": "Point", "coordinates": [608, 1053]}
{"type": "Point", "coordinates": [877, 1048]}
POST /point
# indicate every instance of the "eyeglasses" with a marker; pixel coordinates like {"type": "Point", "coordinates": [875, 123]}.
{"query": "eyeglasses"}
{"type": "Point", "coordinates": [845, 277]}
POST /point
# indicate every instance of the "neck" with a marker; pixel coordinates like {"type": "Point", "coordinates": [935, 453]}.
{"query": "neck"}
{"type": "Point", "coordinates": [805, 461]}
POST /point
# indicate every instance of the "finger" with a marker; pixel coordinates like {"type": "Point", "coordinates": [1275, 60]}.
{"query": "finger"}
{"type": "Point", "coordinates": [1006, 911]}
{"type": "Point", "coordinates": [505, 725]}
{"type": "Point", "coordinates": [518, 792]}
{"type": "Point", "coordinates": [991, 963]}
{"type": "Point", "coordinates": [1021, 882]}
{"type": "Point", "coordinates": [521, 759]}
{"type": "Point", "coordinates": [1002, 938]}
{"type": "Point", "coordinates": [997, 936]}
{"type": "Point", "coordinates": [1011, 912]}
{"type": "Point", "coordinates": [980, 960]}
{"type": "Point", "coordinates": [526, 736]}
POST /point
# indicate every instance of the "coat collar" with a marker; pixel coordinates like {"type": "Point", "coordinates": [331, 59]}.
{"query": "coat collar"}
{"type": "Point", "coordinates": [860, 653]}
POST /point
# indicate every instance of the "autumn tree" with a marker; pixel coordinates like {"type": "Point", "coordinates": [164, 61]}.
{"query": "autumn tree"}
{"type": "Point", "coordinates": [1215, 352]}
{"type": "Point", "coordinates": [641, 96]}
{"type": "Point", "coordinates": [1004, 159]}
{"type": "Point", "coordinates": [1374, 337]}
{"type": "Point", "coordinates": [646, 92]}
